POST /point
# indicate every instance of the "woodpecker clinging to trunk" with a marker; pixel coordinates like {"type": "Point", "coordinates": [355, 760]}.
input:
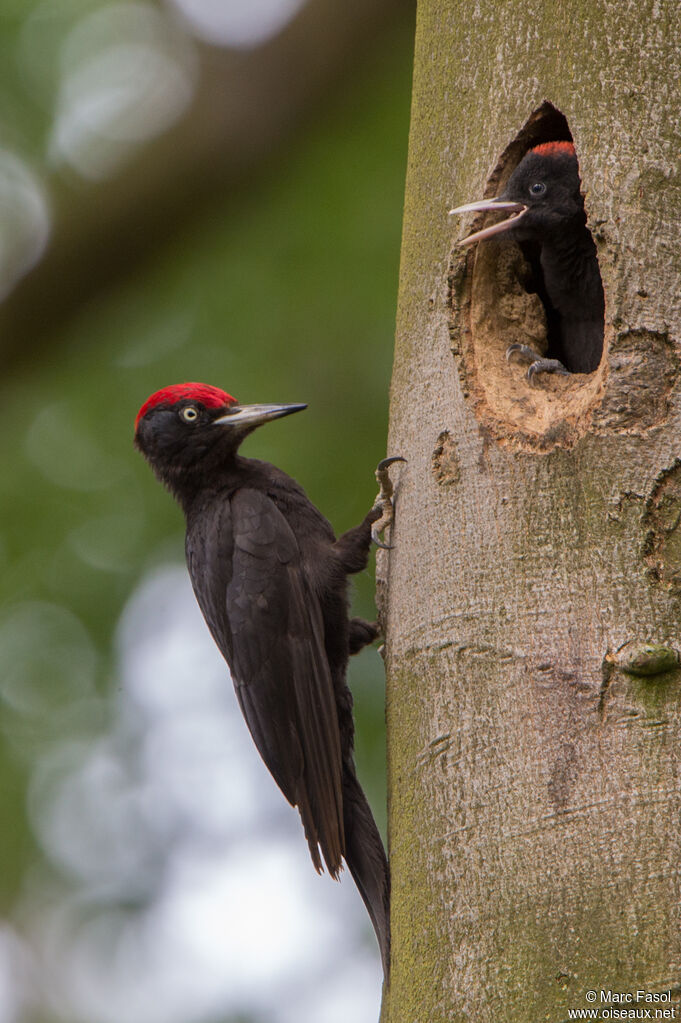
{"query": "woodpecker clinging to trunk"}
{"type": "Point", "coordinates": [270, 578]}
{"type": "Point", "coordinates": [546, 216]}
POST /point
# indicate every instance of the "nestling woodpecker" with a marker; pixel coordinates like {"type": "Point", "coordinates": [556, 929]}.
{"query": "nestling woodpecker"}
{"type": "Point", "coordinates": [270, 578]}
{"type": "Point", "coordinates": [546, 216]}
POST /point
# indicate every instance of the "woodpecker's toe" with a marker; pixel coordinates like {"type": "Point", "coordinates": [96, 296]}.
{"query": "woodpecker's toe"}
{"type": "Point", "coordinates": [384, 500]}
{"type": "Point", "coordinates": [546, 366]}
{"type": "Point", "coordinates": [523, 353]}
{"type": "Point", "coordinates": [537, 363]}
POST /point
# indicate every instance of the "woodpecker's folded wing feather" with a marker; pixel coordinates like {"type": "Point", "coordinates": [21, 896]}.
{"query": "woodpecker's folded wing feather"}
{"type": "Point", "coordinates": [280, 670]}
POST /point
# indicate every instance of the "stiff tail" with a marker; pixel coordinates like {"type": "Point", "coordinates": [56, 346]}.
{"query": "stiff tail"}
{"type": "Point", "coordinates": [366, 860]}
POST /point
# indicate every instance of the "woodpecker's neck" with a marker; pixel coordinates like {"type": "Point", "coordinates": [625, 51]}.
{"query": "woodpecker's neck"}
{"type": "Point", "coordinates": [195, 481]}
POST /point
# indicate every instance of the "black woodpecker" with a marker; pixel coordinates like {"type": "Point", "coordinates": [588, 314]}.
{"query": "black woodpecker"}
{"type": "Point", "coordinates": [545, 214]}
{"type": "Point", "coordinates": [270, 578]}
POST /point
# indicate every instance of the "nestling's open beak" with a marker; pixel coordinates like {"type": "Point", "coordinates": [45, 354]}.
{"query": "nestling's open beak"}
{"type": "Point", "coordinates": [517, 210]}
{"type": "Point", "coordinates": [253, 415]}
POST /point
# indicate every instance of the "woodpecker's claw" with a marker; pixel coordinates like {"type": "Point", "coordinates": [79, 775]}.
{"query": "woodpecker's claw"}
{"type": "Point", "coordinates": [522, 352]}
{"type": "Point", "coordinates": [546, 366]}
{"type": "Point", "coordinates": [381, 474]}
{"type": "Point", "coordinates": [384, 500]}
{"type": "Point", "coordinates": [538, 364]}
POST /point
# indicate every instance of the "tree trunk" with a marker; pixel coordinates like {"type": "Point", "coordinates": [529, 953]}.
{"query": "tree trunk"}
{"type": "Point", "coordinates": [534, 779]}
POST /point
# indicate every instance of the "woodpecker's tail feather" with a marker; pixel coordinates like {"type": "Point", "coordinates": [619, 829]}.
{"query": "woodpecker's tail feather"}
{"type": "Point", "coordinates": [330, 842]}
{"type": "Point", "coordinates": [366, 860]}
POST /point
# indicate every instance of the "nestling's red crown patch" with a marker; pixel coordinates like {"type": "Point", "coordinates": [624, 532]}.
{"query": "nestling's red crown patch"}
{"type": "Point", "coordinates": [211, 397]}
{"type": "Point", "coordinates": [554, 149]}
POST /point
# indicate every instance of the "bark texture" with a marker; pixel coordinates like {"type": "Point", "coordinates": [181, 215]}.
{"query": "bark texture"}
{"type": "Point", "coordinates": [535, 788]}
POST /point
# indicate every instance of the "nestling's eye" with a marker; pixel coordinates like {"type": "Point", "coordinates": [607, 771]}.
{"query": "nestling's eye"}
{"type": "Point", "coordinates": [189, 414]}
{"type": "Point", "coordinates": [537, 188]}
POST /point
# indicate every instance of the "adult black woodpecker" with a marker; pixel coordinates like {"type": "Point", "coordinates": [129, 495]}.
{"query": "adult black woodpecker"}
{"type": "Point", "coordinates": [270, 578]}
{"type": "Point", "coordinates": [545, 214]}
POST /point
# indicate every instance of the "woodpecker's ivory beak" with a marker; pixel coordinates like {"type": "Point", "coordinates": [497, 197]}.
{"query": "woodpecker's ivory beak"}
{"type": "Point", "coordinates": [253, 415]}
{"type": "Point", "coordinates": [517, 210]}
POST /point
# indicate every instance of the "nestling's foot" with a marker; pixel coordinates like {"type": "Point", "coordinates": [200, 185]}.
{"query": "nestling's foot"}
{"type": "Point", "coordinates": [384, 500]}
{"type": "Point", "coordinates": [538, 364]}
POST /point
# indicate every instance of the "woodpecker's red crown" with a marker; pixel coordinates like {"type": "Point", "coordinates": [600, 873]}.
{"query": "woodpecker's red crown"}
{"type": "Point", "coordinates": [210, 397]}
{"type": "Point", "coordinates": [554, 149]}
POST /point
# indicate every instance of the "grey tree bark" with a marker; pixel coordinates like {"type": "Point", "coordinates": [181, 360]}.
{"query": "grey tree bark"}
{"type": "Point", "coordinates": [534, 779]}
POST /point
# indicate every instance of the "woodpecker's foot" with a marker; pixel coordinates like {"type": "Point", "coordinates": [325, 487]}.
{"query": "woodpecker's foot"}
{"type": "Point", "coordinates": [384, 501]}
{"type": "Point", "coordinates": [360, 634]}
{"type": "Point", "coordinates": [538, 364]}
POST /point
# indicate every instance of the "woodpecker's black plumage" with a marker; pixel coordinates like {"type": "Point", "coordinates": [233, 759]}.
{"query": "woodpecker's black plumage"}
{"type": "Point", "coordinates": [271, 580]}
{"type": "Point", "coordinates": [547, 218]}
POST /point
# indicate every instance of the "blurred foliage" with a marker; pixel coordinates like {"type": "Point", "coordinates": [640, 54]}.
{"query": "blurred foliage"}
{"type": "Point", "coordinates": [283, 291]}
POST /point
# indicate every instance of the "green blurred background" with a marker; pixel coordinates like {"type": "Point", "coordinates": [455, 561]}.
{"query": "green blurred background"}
{"type": "Point", "coordinates": [149, 237]}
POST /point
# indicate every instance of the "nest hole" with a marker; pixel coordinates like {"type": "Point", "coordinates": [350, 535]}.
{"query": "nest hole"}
{"type": "Point", "coordinates": [495, 304]}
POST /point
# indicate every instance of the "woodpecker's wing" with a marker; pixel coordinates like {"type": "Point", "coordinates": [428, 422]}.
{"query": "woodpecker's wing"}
{"type": "Point", "coordinates": [274, 633]}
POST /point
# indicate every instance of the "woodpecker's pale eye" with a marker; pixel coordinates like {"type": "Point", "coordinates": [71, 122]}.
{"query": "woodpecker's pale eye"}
{"type": "Point", "coordinates": [537, 188]}
{"type": "Point", "coordinates": [189, 414]}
